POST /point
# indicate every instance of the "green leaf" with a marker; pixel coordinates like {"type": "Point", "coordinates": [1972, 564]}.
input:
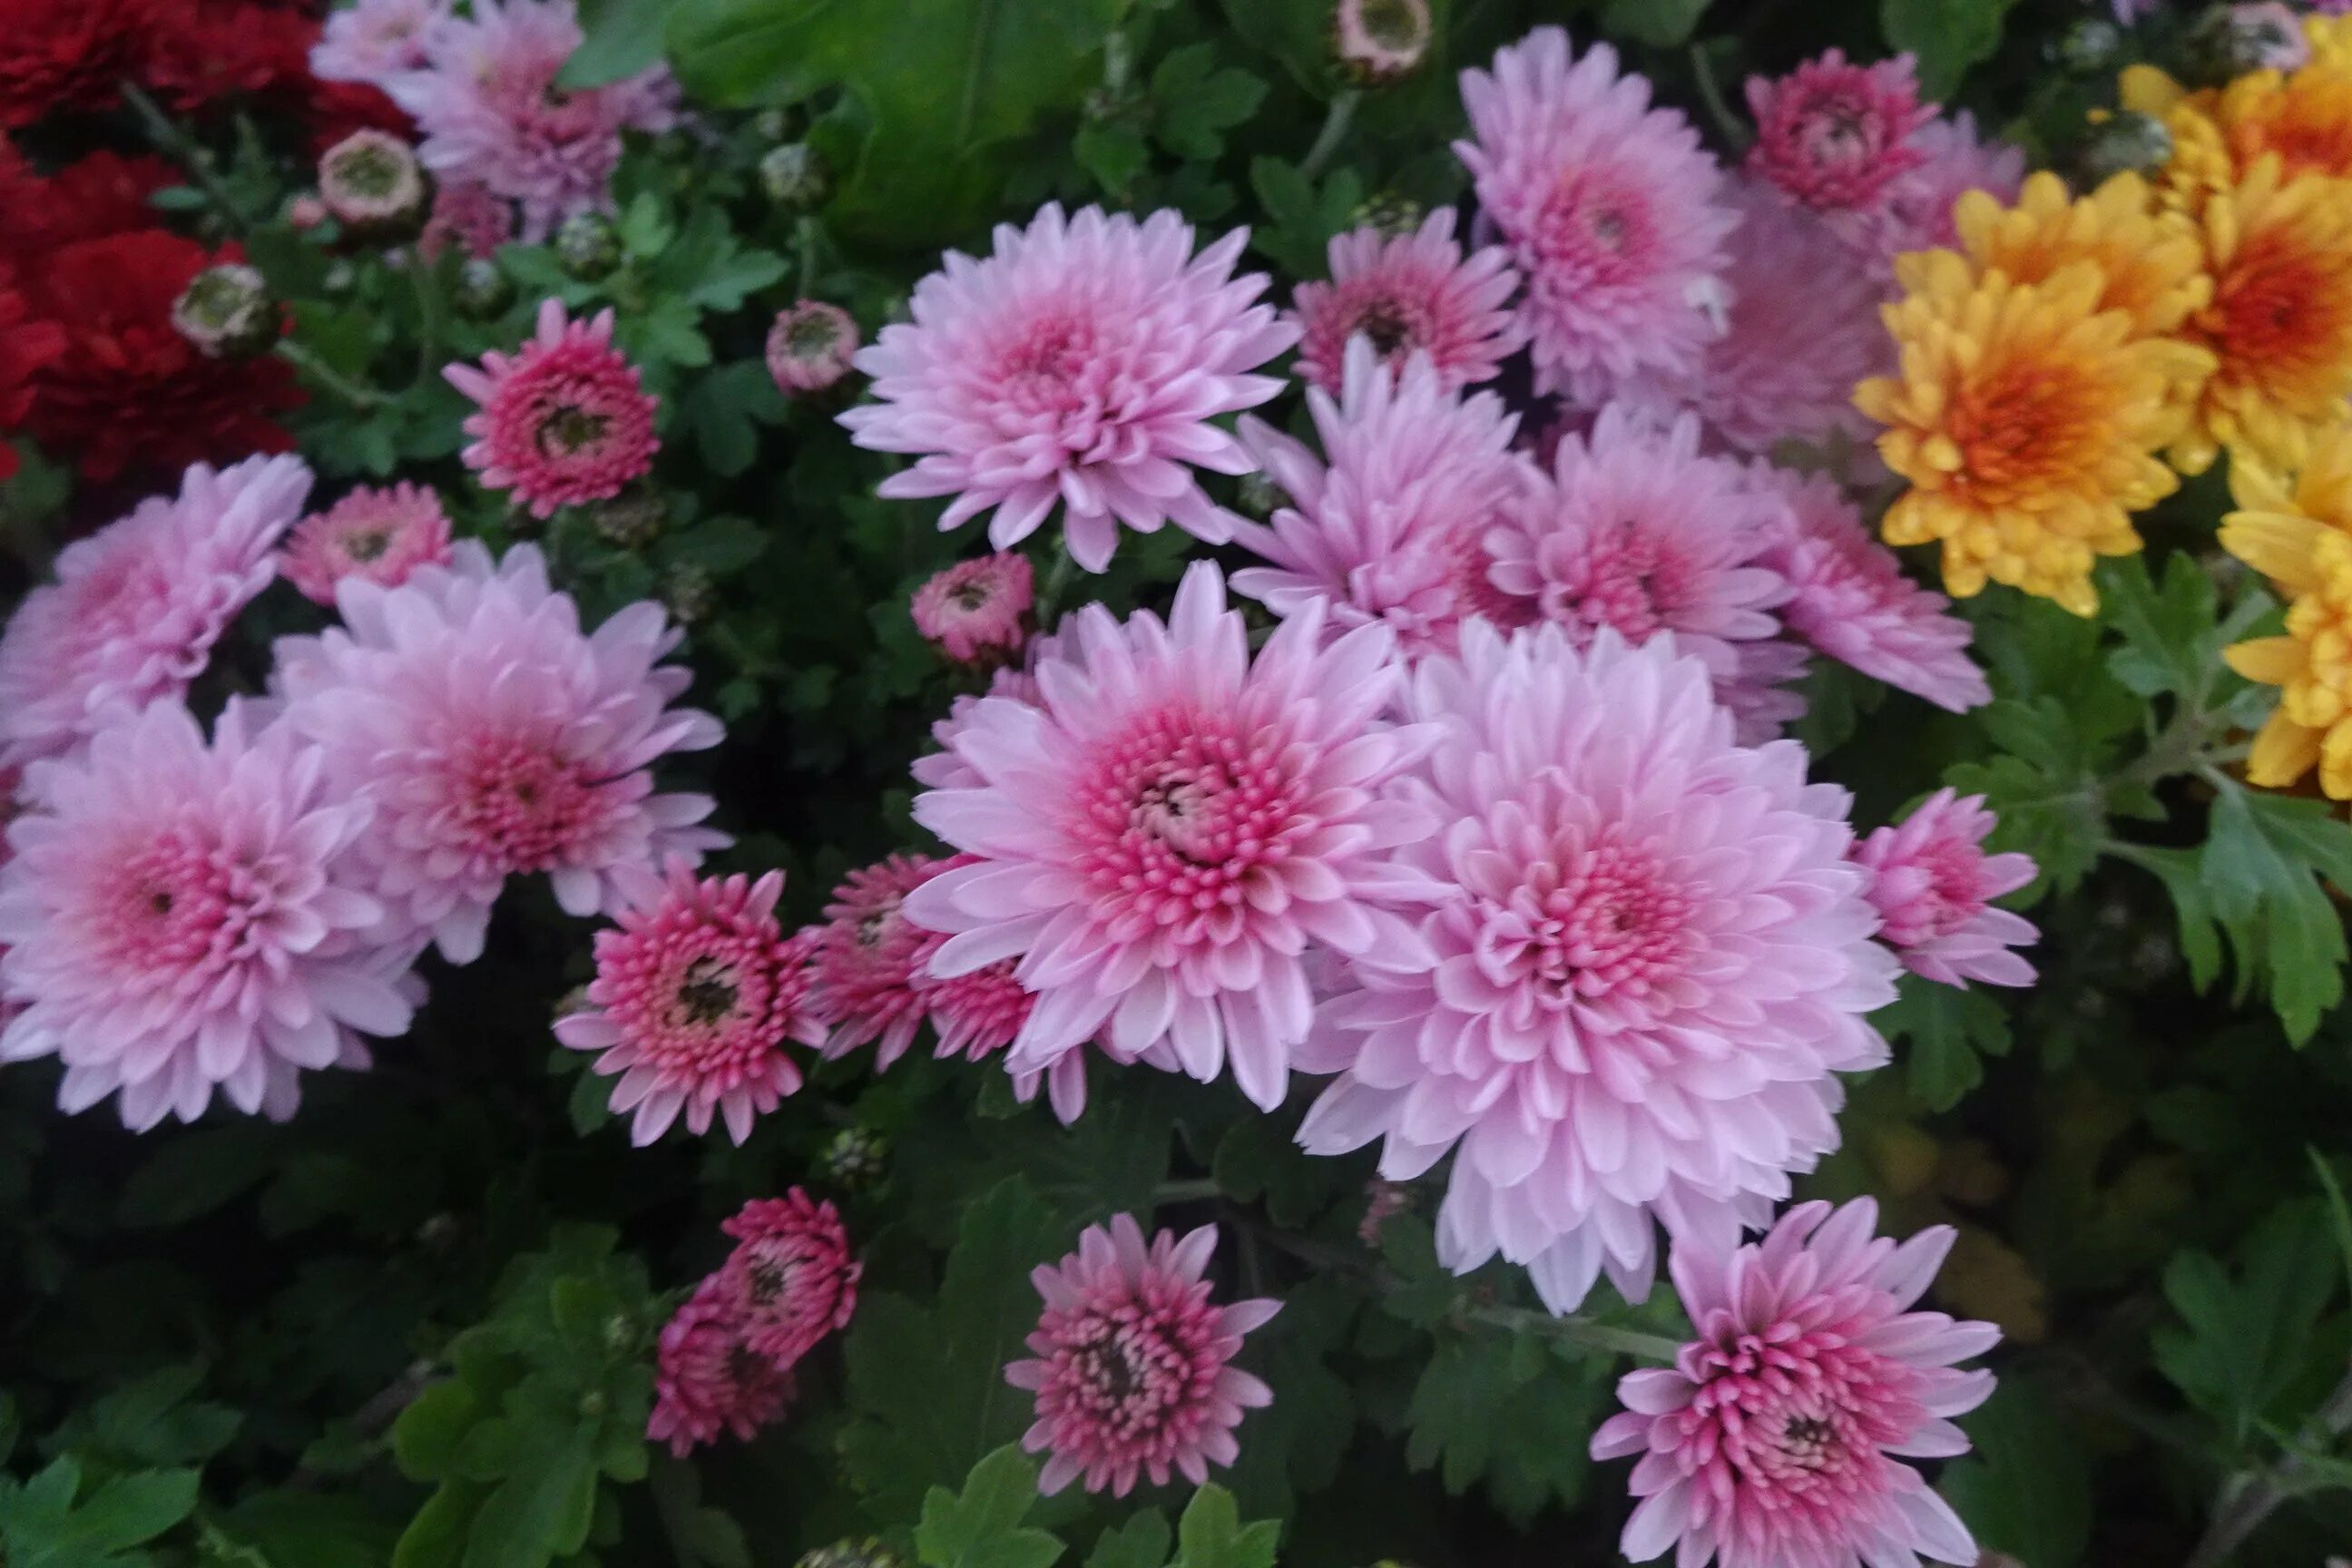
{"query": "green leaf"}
{"type": "Point", "coordinates": [1949, 36]}
{"type": "Point", "coordinates": [311, 1529]}
{"type": "Point", "coordinates": [540, 1512]}
{"type": "Point", "coordinates": [1661, 24]}
{"type": "Point", "coordinates": [1295, 31]}
{"type": "Point", "coordinates": [1497, 1410]}
{"type": "Point", "coordinates": [2026, 1487]}
{"type": "Point", "coordinates": [718, 545]}
{"type": "Point", "coordinates": [2247, 1347]}
{"type": "Point", "coordinates": [623, 38]}
{"type": "Point", "coordinates": [1141, 1542]}
{"type": "Point", "coordinates": [1114, 155]}
{"type": "Point", "coordinates": [195, 1172]}
{"type": "Point", "coordinates": [436, 1537]}
{"type": "Point", "coordinates": [1211, 1534]}
{"type": "Point", "coordinates": [1951, 1029]}
{"type": "Point", "coordinates": [150, 1424]}
{"type": "Point", "coordinates": [2259, 864]}
{"type": "Point", "coordinates": [1197, 103]}
{"type": "Point", "coordinates": [425, 1436]}
{"type": "Point", "coordinates": [735, 276]}
{"type": "Point", "coordinates": [982, 1528]}
{"type": "Point", "coordinates": [42, 1524]}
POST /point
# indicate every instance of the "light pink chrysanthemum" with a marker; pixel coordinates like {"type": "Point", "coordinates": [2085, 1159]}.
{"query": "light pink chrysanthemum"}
{"type": "Point", "coordinates": [976, 1015]}
{"type": "Point", "coordinates": [183, 918]}
{"type": "Point", "coordinates": [1411, 294]}
{"type": "Point", "coordinates": [790, 1280]}
{"type": "Point", "coordinates": [1161, 836]}
{"type": "Point", "coordinates": [563, 420]}
{"type": "Point", "coordinates": [1132, 1363]}
{"type": "Point", "coordinates": [498, 739]}
{"type": "Point", "coordinates": [865, 955]}
{"type": "Point", "coordinates": [708, 1382]}
{"type": "Point", "coordinates": [1776, 1438]}
{"type": "Point", "coordinates": [1833, 134]}
{"type": "Point", "coordinates": [1651, 958]}
{"type": "Point", "coordinates": [694, 995]}
{"type": "Point", "coordinates": [1760, 694]}
{"type": "Point", "coordinates": [1078, 366]}
{"type": "Point", "coordinates": [137, 607]}
{"type": "Point", "coordinates": [1633, 530]}
{"type": "Point", "coordinates": [1390, 526]}
{"type": "Point", "coordinates": [1917, 211]}
{"type": "Point", "coordinates": [375, 40]}
{"type": "Point", "coordinates": [469, 216]}
{"type": "Point", "coordinates": [378, 535]}
{"type": "Point", "coordinates": [1853, 601]}
{"type": "Point", "coordinates": [1611, 210]}
{"type": "Point", "coordinates": [1934, 884]}
{"type": "Point", "coordinates": [811, 347]}
{"type": "Point", "coordinates": [487, 103]}
{"type": "Point", "coordinates": [977, 608]}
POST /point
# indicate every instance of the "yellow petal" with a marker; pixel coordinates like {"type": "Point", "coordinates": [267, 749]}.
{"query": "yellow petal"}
{"type": "Point", "coordinates": [2283, 751]}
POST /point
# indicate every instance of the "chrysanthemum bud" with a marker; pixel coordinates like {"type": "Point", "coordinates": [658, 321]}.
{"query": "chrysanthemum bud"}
{"type": "Point", "coordinates": [588, 246]}
{"type": "Point", "coordinates": [856, 1158]}
{"type": "Point", "coordinates": [1260, 495]}
{"type": "Point", "coordinates": [2227, 41]}
{"type": "Point", "coordinates": [866, 1554]}
{"type": "Point", "coordinates": [1388, 214]}
{"type": "Point", "coordinates": [810, 346]}
{"type": "Point", "coordinates": [2089, 47]}
{"type": "Point", "coordinates": [482, 291]}
{"type": "Point", "coordinates": [373, 184]}
{"type": "Point", "coordinates": [794, 177]}
{"type": "Point", "coordinates": [1379, 41]}
{"type": "Point", "coordinates": [227, 312]}
{"type": "Point", "coordinates": [687, 592]}
{"type": "Point", "coordinates": [306, 212]}
{"type": "Point", "coordinates": [771, 124]}
{"type": "Point", "coordinates": [2126, 139]}
{"type": "Point", "coordinates": [630, 520]}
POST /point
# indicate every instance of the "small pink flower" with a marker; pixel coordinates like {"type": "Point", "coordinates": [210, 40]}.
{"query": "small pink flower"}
{"type": "Point", "coordinates": [976, 1015]}
{"type": "Point", "coordinates": [306, 212]}
{"type": "Point", "coordinates": [1133, 1364]}
{"type": "Point", "coordinates": [976, 609]}
{"type": "Point", "coordinates": [563, 420]}
{"type": "Point", "coordinates": [1934, 886]}
{"type": "Point", "coordinates": [694, 997]}
{"type": "Point", "coordinates": [1776, 1438]}
{"type": "Point", "coordinates": [1379, 41]}
{"type": "Point", "coordinates": [1917, 211]}
{"type": "Point", "coordinates": [375, 40]}
{"type": "Point", "coordinates": [1834, 135]}
{"type": "Point", "coordinates": [811, 347]}
{"type": "Point", "coordinates": [469, 216]}
{"type": "Point", "coordinates": [865, 954]}
{"type": "Point", "coordinates": [377, 535]}
{"type": "Point", "coordinates": [707, 1382]}
{"type": "Point", "coordinates": [790, 1280]}
{"type": "Point", "coordinates": [1412, 294]}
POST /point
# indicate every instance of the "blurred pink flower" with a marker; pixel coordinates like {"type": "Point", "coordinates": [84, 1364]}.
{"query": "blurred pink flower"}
{"type": "Point", "coordinates": [790, 1280]}
{"type": "Point", "coordinates": [866, 956]}
{"type": "Point", "coordinates": [1934, 884]}
{"type": "Point", "coordinates": [470, 217]}
{"type": "Point", "coordinates": [1917, 212]}
{"type": "Point", "coordinates": [708, 1382]}
{"type": "Point", "coordinates": [563, 420]}
{"type": "Point", "coordinates": [375, 40]}
{"type": "Point", "coordinates": [1412, 294]}
{"type": "Point", "coordinates": [977, 608]}
{"type": "Point", "coordinates": [811, 347]}
{"type": "Point", "coordinates": [379, 535]}
{"type": "Point", "coordinates": [1834, 134]}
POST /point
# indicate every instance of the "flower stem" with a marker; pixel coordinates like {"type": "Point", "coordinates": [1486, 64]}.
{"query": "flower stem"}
{"type": "Point", "coordinates": [1335, 120]}
{"type": "Point", "coordinates": [168, 136]}
{"type": "Point", "coordinates": [1058, 582]}
{"type": "Point", "coordinates": [356, 394]}
{"type": "Point", "coordinates": [430, 316]}
{"type": "Point", "coordinates": [2248, 1497]}
{"type": "Point", "coordinates": [1578, 1330]}
{"type": "Point", "coordinates": [1184, 1192]}
{"type": "Point", "coordinates": [1710, 93]}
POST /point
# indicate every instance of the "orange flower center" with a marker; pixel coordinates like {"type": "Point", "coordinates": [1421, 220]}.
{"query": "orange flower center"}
{"type": "Point", "coordinates": [2024, 427]}
{"type": "Point", "coordinates": [2282, 314]}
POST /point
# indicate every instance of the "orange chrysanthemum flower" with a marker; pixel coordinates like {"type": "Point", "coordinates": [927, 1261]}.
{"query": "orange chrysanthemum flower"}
{"type": "Point", "coordinates": [2279, 503]}
{"type": "Point", "coordinates": [2026, 418]}
{"type": "Point", "coordinates": [2280, 320]}
{"type": "Point", "coordinates": [2202, 164]}
{"type": "Point", "coordinates": [2312, 663]}
{"type": "Point", "coordinates": [2152, 262]}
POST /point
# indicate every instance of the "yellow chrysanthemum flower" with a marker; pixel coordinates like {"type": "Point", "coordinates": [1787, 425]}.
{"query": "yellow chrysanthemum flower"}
{"type": "Point", "coordinates": [2278, 504]}
{"type": "Point", "coordinates": [2200, 163]}
{"type": "Point", "coordinates": [2330, 38]}
{"type": "Point", "coordinates": [2280, 321]}
{"type": "Point", "coordinates": [2026, 418]}
{"type": "Point", "coordinates": [2153, 262]}
{"type": "Point", "coordinates": [2310, 665]}
{"type": "Point", "coordinates": [2305, 117]}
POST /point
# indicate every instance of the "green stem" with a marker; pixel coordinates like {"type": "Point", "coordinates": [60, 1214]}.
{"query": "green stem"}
{"type": "Point", "coordinates": [1185, 1192]}
{"type": "Point", "coordinates": [1578, 1330]}
{"type": "Point", "coordinates": [1058, 582]}
{"type": "Point", "coordinates": [1719, 109]}
{"type": "Point", "coordinates": [2248, 1497]}
{"type": "Point", "coordinates": [674, 1489]}
{"type": "Point", "coordinates": [424, 279]}
{"type": "Point", "coordinates": [168, 136]}
{"type": "Point", "coordinates": [358, 395]}
{"type": "Point", "coordinates": [1335, 120]}
{"type": "Point", "coordinates": [806, 236]}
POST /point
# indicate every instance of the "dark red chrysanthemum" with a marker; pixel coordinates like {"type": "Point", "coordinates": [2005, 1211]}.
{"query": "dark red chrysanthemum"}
{"type": "Point", "coordinates": [199, 52]}
{"type": "Point", "coordinates": [128, 390]}
{"type": "Point", "coordinates": [333, 110]}
{"type": "Point", "coordinates": [67, 54]}
{"type": "Point", "coordinates": [100, 195]}
{"type": "Point", "coordinates": [25, 345]}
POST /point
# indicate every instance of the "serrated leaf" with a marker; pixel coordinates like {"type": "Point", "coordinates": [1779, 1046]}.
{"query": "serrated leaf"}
{"type": "Point", "coordinates": [1949, 1029]}
{"type": "Point", "coordinates": [540, 1512]}
{"type": "Point", "coordinates": [2247, 1347]}
{"type": "Point", "coordinates": [2026, 1487]}
{"type": "Point", "coordinates": [1949, 36]}
{"type": "Point", "coordinates": [1211, 1534]}
{"type": "Point", "coordinates": [425, 1436]}
{"type": "Point", "coordinates": [1113, 155]}
{"type": "Point", "coordinates": [1141, 1542]}
{"type": "Point", "coordinates": [1479, 1418]}
{"type": "Point", "coordinates": [980, 1526]}
{"type": "Point", "coordinates": [620, 38]}
{"type": "Point", "coordinates": [718, 545]}
{"type": "Point", "coordinates": [1661, 24]}
{"type": "Point", "coordinates": [195, 1172]}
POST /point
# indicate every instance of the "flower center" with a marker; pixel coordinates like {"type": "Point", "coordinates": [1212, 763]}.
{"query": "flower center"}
{"type": "Point", "coordinates": [707, 993]}
{"type": "Point", "coordinates": [570, 430]}
{"type": "Point", "coordinates": [179, 904]}
{"type": "Point", "coordinates": [1046, 366]}
{"type": "Point", "coordinates": [812, 337]}
{"type": "Point", "coordinates": [1386, 325]}
{"type": "Point", "coordinates": [1125, 1372]}
{"type": "Point", "coordinates": [367, 171]}
{"type": "Point", "coordinates": [367, 545]}
{"type": "Point", "coordinates": [1837, 135]}
{"type": "Point", "coordinates": [970, 596]}
{"type": "Point", "coordinates": [1588, 923]}
{"type": "Point", "coordinates": [2024, 421]}
{"type": "Point", "coordinates": [1591, 230]}
{"type": "Point", "coordinates": [1392, 24]}
{"type": "Point", "coordinates": [520, 805]}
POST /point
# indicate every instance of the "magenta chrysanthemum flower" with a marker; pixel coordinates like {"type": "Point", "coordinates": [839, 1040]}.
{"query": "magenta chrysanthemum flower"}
{"type": "Point", "coordinates": [1078, 366]}
{"type": "Point", "coordinates": [1651, 957]}
{"type": "Point", "coordinates": [708, 1382]}
{"type": "Point", "coordinates": [865, 955]}
{"type": "Point", "coordinates": [469, 216]}
{"type": "Point", "coordinates": [694, 997]}
{"type": "Point", "coordinates": [563, 420]}
{"type": "Point", "coordinates": [137, 607]}
{"type": "Point", "coordinates": [183, 918]}
{"type": "Point", "coordinates": [790, 1280]}
{"type": "Point", "coordinates": [1132, 1363]}
{"type": "Point", "coordinates": [1834, 135]}
{"type": "Point", "coordinates": [1611, 209]}
{"type": "Point", "coordinates": [1160, 836]}
{"type": "Point", "coordinates": [1851, 600]}
{"type": "Point", "coordinates": [377, 535]}
{"type": "Point", "coordinates": [1917, 211]}
{"type": "Point", "coordinates": [811, 347]}
{"type": "Point", "coordinates": [499, 739]}
{"type": "Point", "coordinates": [1934, 884]}
{"type": "Point", "coordinates": [490, 112]}
{"type": "Point", "coordinates": [1411, 294]}
{"type": "Point", "coordinates": [1390, 526]}
{"type": "Point", "coordinates": [1775, 1440]}
{"type": "Point", "coordinates": [977, 608]}
{"type": "Point", "coordinates": [979, 1014]}
{"type": "Point", "coordinates": [375, 40]}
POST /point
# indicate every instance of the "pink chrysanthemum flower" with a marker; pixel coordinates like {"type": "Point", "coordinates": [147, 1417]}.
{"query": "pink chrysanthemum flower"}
{"type": "Point", "coordinates": [1611, 210]}
{"type": "Point", "coordinates": [487, 103]}
{"type": "Point", "coordinates": [1633, 531]}
{"type": "Point", "coordinates": [377, 535]}
{"type": "Point", "coordinates": [978, 608]}
{"type": "Point", "coordinates": [1760, 694]}
{"type": "Point", "coordinates": [1833, 134]}
{"type": "Point", "coordinates": [708, 1382]}
{"type": "Point", "coordinates": [790, 1280]}
{"type": "Point", "coordinates": [469, 216]}
{"type": "Point", "coordinates": [375, 40]}
{"type": "Point", "coordinates": [1917, 211]}
{"type": "Point", "coordinates": [1390, 526]}
{"type": "Point", "coordinates": [1651, 957]}
{"type": "Point", "coordinates": [563, 420]}
{"type": "Point", "coordinates": [1078, 366]}
{"type": "Point", "coordinates": [1934, 884]}
{"type": "Point", "coordinates": [1411, 294]}
{"type": "Point", "coordinates": [811, 347]}
{"type": "Point", "coordinates": [1776, 1438]}
{"type": "Point", "coordinates": [1132, 1363]}
{"type": "Point", "coordinates": [183, 918]}
{"type": "Point", "coordinates": [137, 607]}
{"type": "Point", "coordinates": [976, 1015]}
{"type": "Point", "coordinates": [498, 739]}
{"type": "Point", "coordinates": [694, 997]}
{"type": "Point", "coordinates": [1851, 600]}
{"type": "Point", "coordinates": [865, 955]}
{"type": "Point", "coordinates": [1160, 838]}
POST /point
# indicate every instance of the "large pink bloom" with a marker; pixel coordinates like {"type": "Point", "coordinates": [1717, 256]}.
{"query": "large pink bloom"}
{"type": "Point", "coordinates": [563, 420]}
{"type": "Point", "coordinates": [1389, 527]}
{"type": "Point", "coordinates": [491, 115]}
{"type": "Point", "coordinates": [183, 917]}
{"type": "Point", "coordinates": [1161, 836]}
{"type": "Point", "coordinates": [499, 739]}
{"type": "Point", "coordinates": [1934, 884]}
{"type": "Point", "coordinates": [1131, 1363]}
{"type": "Point", "coordinates": [1650, 960]}
{"type": "Point", "coordinates": [1611, 210]}
{"type": "Point", "coordinates": [1917, 211]}
{"type": "Point", "coordinates": [1409, 295]}
{"type": "Point", "coordinates": [707, 1382]}
{"type": "Point", "coordinates": [1775, 1440]}
{"type": "Point", "coordinates": [379, 535]}
{"type": "Point", "coordinates": [1078, 366]}
{"type": "Point", "coordinates": [790, 1280]}
{"type": "Point", "coordinates": [1834, 134]}
{"type": "Point", "coordinates": [137, 607]}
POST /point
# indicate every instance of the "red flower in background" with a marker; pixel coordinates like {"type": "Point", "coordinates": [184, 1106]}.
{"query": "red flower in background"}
{"type": "Point", "coordinates": [333, 110]}
{"type": "Point", "coordinates": [67, 54]}
{"type": "Point", "coordinates": [98, 196]}
{"type": "Point", "coordinates": [199, 51]}
{"type": "Point", "coordinates": [25, 345]}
